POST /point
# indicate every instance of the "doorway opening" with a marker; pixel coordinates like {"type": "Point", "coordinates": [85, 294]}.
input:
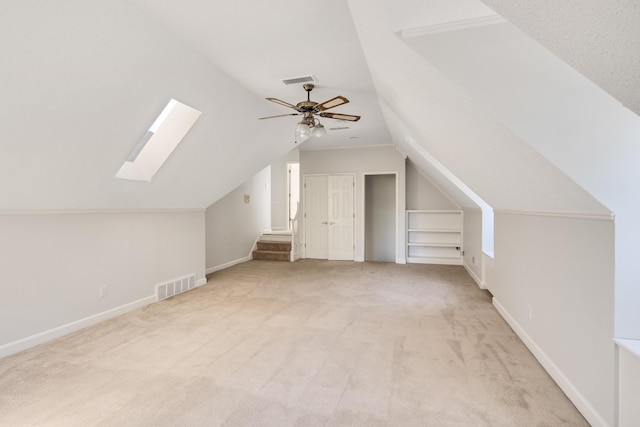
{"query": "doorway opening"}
{"type": "Point", "coordinates": [380, 218]}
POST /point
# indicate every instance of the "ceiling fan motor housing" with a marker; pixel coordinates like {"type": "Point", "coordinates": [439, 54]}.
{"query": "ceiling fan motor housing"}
{"type": "Point", "coordinates": [306, 106]}
{"type": "Point", "coordinates": [308, 119]}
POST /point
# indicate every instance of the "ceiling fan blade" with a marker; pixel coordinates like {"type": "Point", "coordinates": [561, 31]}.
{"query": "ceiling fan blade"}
{"type": "Point", "coordinates": [339, 116]}
{"type": "Point", "coordinates": [278, 101]}
{"type": "Point", "coordinates": [279, 115]}
{"type": "Point", "coordinates": [333, 102]}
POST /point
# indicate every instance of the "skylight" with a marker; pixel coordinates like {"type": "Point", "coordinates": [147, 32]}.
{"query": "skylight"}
{"type": "Point", "coordinates": [157, 144]}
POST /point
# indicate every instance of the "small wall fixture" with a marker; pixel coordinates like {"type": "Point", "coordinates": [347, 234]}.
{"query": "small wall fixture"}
{"type": "Point", "coordinates": [157, 144]}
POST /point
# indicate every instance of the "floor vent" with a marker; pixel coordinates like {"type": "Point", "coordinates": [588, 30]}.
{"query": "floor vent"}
{"type": "Point", "coordinates": [301, 79]}
{"type": "Point", "coordinates": [175, 287]}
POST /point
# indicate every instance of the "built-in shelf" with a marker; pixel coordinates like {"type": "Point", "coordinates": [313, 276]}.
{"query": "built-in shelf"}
{"type": "Point", "coordinates": [434, 236]}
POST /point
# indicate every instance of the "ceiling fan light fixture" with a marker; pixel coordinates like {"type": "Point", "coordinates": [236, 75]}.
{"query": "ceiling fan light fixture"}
{"type": "Point", "coordinates": [319, 130]}
{"type": "Point", "coordinates": [303, 131]}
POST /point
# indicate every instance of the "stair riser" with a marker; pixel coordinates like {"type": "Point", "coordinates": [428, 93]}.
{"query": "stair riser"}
{"type": "Point", "coordinates": [274, 246]}
{"type": "Point", "coordinates": [271, 256]}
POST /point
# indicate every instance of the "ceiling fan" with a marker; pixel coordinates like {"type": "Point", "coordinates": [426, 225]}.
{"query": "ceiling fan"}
{"type": "Point", "coordinates": [310, 125]}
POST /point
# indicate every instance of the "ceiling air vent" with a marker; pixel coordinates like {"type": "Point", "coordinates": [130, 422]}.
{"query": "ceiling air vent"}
{"type": "Point", "coordinates": [340, 128]}
{"type": "Point", "coordinates": [301, 79]}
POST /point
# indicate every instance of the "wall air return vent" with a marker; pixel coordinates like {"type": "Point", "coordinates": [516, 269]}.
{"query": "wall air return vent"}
{"type": "Point", "coordinates": [175, 287]}
{"type": "Point", "coordinates": [157, 144]}
{"type": "Point", "coordinates": [301, 79]}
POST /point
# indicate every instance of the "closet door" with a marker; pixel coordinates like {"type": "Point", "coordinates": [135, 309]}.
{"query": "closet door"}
{"type": "Point", "coordinates": [316, 217]}
{"type": "Point", "coordinates": [341, 217]}
{"type": "Point", "coordinates": [329, 217]}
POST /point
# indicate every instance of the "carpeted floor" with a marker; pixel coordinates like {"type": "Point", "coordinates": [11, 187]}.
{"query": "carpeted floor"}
{"type": "Point", "coordinates": [310, 343]}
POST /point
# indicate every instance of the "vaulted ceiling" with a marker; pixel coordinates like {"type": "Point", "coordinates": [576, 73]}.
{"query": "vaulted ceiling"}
{"type": "Point", "coordinates": [482, 104]}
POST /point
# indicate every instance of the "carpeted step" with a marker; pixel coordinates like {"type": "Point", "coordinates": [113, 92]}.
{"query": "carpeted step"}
{"type": "Point", "coordinates": [265, 255]}
{"type": "Point", "coordinates": [266, 245]}
{"type": "Point", "coordinates": [276, 237]}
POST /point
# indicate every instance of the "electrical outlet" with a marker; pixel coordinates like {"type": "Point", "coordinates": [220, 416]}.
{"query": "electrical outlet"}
{"type": "Point", "coordinates": [103, 292]}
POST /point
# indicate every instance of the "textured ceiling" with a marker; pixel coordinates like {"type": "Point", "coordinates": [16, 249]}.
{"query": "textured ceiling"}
{"type": "Point", "coordinates": [600, 39]}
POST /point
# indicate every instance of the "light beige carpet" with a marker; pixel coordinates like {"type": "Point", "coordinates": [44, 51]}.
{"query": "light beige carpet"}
{"type": "Point", "coordinates": [311, 343]}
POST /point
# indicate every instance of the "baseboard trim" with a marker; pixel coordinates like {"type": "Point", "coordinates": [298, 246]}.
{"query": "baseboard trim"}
{"type": "Point", "coordinates": [580, 402]}
{"type": "Point", "coordinates": [201, 282]}
{"type": "Point", "coordinates": [474, 276]}
{"type": "Point", "coordinates": [227, 265]}
{"type": "Point", "coordinates": [42, 337]}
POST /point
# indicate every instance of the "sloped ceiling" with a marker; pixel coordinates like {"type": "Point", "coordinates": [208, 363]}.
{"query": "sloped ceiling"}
{"type": "Point", "coordinates": [573, 123]}
{"type": "Point", "coordinates": [430, 109]}
{"type": "Point", "coordinates": [87, 77]}
{"type": "Point", "coordinates": [84, 82]}
{"type": "Point", "coordinates": [600, 39]}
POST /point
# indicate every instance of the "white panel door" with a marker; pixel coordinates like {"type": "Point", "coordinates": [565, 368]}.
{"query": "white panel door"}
{"type": "Point", "coordinates": [341, 217]}
{"type": "Point", "coordinates": [316, 217]}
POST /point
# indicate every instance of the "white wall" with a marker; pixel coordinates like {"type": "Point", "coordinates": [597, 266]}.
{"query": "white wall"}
{"type": "Point", "coordinates": [52, 267]}
{"type": "Point", "coordinates": [473, 258]}
{"type": "Point", "coordinates": [361, 161]}
{"type": "Point", "coordinates": [628, 384]}
{"type": "Point", "coordinates": [232, 226]}
{"type": "Point", "coordinates": [423, 194]}
{"type": "Point", "coordinates": [553, 282]}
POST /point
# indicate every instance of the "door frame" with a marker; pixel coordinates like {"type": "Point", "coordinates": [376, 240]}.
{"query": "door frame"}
{"type": "Point", "coordinates": [399, 259]}
{"type": "Point", "coordinates": [289, 181]}
{"type": "Point", "coordinates": [303, 198]}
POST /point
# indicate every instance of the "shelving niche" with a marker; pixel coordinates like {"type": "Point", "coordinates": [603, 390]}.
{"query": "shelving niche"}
{"type": "Point", "coordinates": [434, 236]}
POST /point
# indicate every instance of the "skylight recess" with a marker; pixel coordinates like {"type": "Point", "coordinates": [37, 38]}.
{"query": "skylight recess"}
{"type": "Point", "coordinates": [157, 144]}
